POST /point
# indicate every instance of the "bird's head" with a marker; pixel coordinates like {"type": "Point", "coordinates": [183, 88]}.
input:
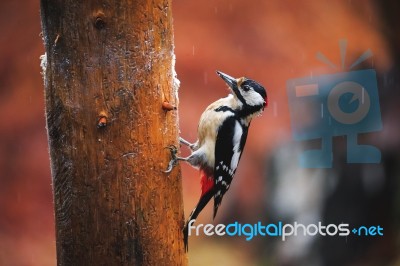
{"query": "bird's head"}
{"type": "Point", "coordinates": [249, 92]}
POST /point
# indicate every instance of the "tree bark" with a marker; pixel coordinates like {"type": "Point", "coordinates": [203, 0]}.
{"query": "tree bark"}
{"type": "Point", "coordinates": [108, 68]}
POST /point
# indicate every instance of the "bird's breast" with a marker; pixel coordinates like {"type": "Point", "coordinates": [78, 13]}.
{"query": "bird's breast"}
{"type": "Point", "coordinates": [209, 124]}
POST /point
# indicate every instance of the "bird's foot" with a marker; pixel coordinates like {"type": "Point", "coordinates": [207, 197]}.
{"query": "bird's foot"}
{"type": "Point", "coordinates": [174, 159]}
{"type": "Point", "coordinates": [191, 146]}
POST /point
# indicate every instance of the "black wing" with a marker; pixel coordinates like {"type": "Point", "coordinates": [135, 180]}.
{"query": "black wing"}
{"type": "Point", "coordinates": [231, 138]}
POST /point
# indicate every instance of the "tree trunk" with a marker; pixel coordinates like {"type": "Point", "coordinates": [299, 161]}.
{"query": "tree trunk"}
{"type": "Point", "coordinates": [108, 69]}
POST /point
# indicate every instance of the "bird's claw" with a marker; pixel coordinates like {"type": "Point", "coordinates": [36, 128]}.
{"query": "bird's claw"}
{"type": "Point", "coordinates": [172, 163]}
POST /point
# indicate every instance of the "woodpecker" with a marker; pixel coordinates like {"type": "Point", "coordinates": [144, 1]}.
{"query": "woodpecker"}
{"type": "Point", "coordinates": [222, 134]}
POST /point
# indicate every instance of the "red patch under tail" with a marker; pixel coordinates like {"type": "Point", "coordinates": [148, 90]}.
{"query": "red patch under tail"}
{"type": "Point", "coordinates": [207, 183]}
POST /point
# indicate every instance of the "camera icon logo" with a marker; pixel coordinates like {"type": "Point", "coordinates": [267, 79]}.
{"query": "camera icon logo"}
{"type": "Point", "coordinates": [340, 104]}
{"type": "Point", "coordinates": [357, 92]}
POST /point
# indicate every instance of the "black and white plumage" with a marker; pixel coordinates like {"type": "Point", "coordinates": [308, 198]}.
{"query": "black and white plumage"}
{"type": "Point", "coordinates": [228, 150]}
{"type": "Point", "coordinates": [222, 134]}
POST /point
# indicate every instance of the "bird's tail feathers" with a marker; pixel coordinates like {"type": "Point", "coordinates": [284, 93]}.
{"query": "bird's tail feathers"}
{"type": "Point", "coordinates": [204, 199]}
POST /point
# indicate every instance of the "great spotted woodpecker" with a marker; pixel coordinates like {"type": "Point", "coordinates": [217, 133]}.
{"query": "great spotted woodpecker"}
{"type": "Point", "coordinates": [222, 133]}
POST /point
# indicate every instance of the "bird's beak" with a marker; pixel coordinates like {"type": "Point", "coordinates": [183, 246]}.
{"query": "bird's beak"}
{"type": "Point", "coordinates": [231, 81]}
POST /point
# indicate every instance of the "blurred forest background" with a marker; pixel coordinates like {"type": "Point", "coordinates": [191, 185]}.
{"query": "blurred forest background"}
{"type": "Point", "coordinates": [271, 42]}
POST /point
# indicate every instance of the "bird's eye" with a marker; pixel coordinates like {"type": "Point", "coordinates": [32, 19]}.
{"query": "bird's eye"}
{"type": "Point", "coordinates": [246, 87]}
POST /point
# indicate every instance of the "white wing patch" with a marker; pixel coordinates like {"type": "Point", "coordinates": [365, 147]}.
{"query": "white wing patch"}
{"type": "Point", "coordinates": [236, 145]}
